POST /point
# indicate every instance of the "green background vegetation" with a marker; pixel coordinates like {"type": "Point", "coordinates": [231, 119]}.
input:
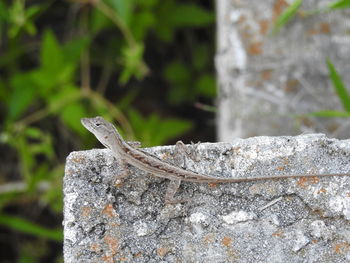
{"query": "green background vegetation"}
{"type": "Point", "coordinates": [144, 64]}
{"type": "Point", "coordinates": [140, 64]}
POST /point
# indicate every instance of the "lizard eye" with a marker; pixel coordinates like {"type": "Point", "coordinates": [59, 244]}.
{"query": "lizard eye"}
{"type": "Point", "coordinates": [98, 124]}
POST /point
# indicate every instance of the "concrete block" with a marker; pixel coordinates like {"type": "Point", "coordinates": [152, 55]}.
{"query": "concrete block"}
{"type": "Point", "coordinates": [289, 220]}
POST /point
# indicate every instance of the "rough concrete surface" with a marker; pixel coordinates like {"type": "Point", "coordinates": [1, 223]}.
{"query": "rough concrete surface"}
{"type": "Point", "coordinates": [288, 220]}
{"type": "Point", "coordinates": [266, 82]}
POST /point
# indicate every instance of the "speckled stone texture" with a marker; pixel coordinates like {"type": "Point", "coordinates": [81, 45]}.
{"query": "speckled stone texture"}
{"type": "Point", "coordinates": [287, 220]}
{"type": "Point", "coordinates": [268, 83]}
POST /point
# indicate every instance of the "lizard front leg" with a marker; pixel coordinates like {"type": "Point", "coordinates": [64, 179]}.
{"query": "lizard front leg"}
{"type": "Point", "coordinates": [171, 191]}
{"type": "Point", "coordinates": [183, 150]}
{"type": "Point", "coordinates": [180, 153]}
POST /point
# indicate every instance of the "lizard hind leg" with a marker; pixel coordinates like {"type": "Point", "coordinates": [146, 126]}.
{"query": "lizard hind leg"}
{"type": "Point", "coordinates": [171, 191]}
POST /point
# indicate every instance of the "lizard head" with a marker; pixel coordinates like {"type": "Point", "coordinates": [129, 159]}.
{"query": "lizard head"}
{"type": "Point", "coordinates": [103, 130]}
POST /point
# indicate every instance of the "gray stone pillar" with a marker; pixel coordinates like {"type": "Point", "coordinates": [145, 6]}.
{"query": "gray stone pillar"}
{"type": "Point", "coordinates": [287, 220]}
{"type": "Point", "coordinates": [265, 81]}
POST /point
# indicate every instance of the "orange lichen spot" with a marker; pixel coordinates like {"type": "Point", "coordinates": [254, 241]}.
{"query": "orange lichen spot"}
{"type": "Point", "coordinates": [212, 185]}
{"type": "Point", "coordinates": [342, 248]}
{"type": "Point", "coordinates": [114, 225]}
{"type": "Point", "coordinates": [95, 247]}
{"type": "Point", "coordinates": [241, 19]}
{"type": "Point", "coordinates": [325, 28]}
{"type": "Point", "coordinates": [108, 259]}
{"type": "Point", "coordinates": [278, 8]}
{"type": "Point", "coordinates": [162, 251]}
{"type": "Point", "coordinates": [291, 85]}
{"type": "Point", "coordinates": [306, 121]}
{"type": "Point", "coordinates": [78, 159]}
{"type": "Point", "coordinates": [314, 241]}
{"type": "Point", "coordinates": [312, 31]}
{"type": "Point", "coordinates": [285, 160]}
{"type": "Point", "coordinates": [322, 28]}
{"type": "Point", "coordinates": [246, 35]}
{"type": "Point", "coordinates": [109, 210]}
{"type": "Point", "coordinates": [278, 233]}
{"type": "Point", "coordinates": [112, 244]}
{"type": "Point", "coordinates": [322, 190]}
{"type": "Point", "coordinates": [226, 241]}
{"type": "Point", "coordinates": [266, 74]}
{"type": "Point", "coordinates": [208, 238]}
{"type": "Point", "coordinates": [280, 168]}
{"type": "Point", "coordinates": [85, 211]}
{"type": "Point", "coordinates": [137, 255]}
{"type": "Point", "coordinates": [264, 26]}
{"type": "Point", "coordinates": [304, 181]}
{"type": "Point", "coordinates": [314, 179]}
{"type": "Point", "coordinates": [348, 194]}
{"type": "Point", "coordinates": [255, 48]}
{"type": "Point", "coordinates": [332, 127]}
{"type": "Point", "coordinates": [118, 183]}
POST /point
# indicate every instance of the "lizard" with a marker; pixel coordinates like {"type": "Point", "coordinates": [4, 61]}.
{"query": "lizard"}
{"type": "Point", "coordinates": [130, 153]}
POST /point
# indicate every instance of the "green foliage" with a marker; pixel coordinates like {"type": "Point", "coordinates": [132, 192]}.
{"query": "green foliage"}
{"type": "Point", "coordinates": [342, 93]}
{"type": "Point", "coordinates": [45, 87]}
{"type": "Point", "coordinates": [286, 15]}
{"type": "Point", "coordinates": [27, 227]}
{"type": "Point", "coordinates": [339, 86]}
{"type": "Point", "coordinates": [173, 15]}
{"type": "Point", "coordinates": [156, 131]}
{"type": "Point", "coordinates": [190, 81]}
{"type": "Point", "coordinates": [341, 4]}
{"type": "Point", "coordinates": [20, 17]}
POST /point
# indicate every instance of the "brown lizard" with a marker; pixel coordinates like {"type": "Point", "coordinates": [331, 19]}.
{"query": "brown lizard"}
{"type": "Point", "coordinates": [108, 135]}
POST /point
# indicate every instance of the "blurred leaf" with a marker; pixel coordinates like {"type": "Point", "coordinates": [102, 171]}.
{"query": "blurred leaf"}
{"type": "Point", "coordinates": [11, 55]}
{"type": "Point", "coordinates": [176, 72]}
{"type": "Point", "coordinates": [27, 160]}
{"type": "Point", "coordinates": [4, 94]}
{"type": "Point", "coordinates": [339, 4]}
{"type": "Point", "coordinates": [201, 57]}
{"type": "Point", "coordinates": [67, 94]}
{"type": "Point", "coordinates": [125, 102]}
{"type": "Point", "coordinates": [172, 15]}
{"type": "Point", "coordinates": [142, 23]}
{"type": "Point", "coordinates": [155, 131]}
{"type": "Point", "coordinates": [54, 197]}
{"type": "Point", "coordinates": [148, 3]}
{"type": "Point", "coordinates": [99, 21]}
{"type": "Point", "coordinates": [26, 256]}
{"type": "Point", "coordinates": [22, 225]}
{"type": "Point", "coordinates": [189, 15]}
{"type": "Point", "coordinates": [51, 55]}
{"type": "Point", "coordinates": [124, 8]}
{"type": "Point", "coordinates": [71, 115]}
{"type": "Point", "coordinates": [339, 86]}
{"type": "Point", "coordinates": [288, 13]}
{"type": "Point", "coordinates": [170, 128]}
{"type": "Point", "coordinates": [73, 49]}
{"type": "Point", "coordinates": [23, 93]}
{"type": "Point", "coordinates": [4, 15]}
{"type": "Point", "coordinates": [133, 63]}
{"type": "Point", "coordinates": [180, 77]}
{"type": "Point", "coordinates": [33, 133]}
{"type": "Point", "coordinates": [330, 113]}
{"type": "Point", "coordinates": [206, 85]}
{"type": "Point", "coordinates": [21, 18]}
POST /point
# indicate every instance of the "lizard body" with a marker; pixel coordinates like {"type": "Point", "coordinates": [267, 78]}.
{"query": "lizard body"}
{"type": "Point", "coordinates": [108, 135]}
